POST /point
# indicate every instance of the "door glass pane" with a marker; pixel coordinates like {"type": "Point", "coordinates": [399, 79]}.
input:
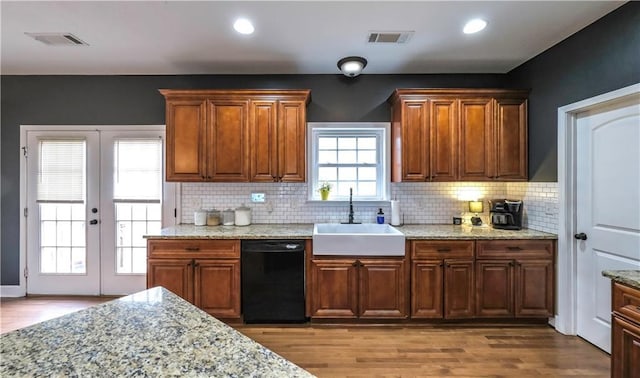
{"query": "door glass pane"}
{"type": "Point", "coordinates": [62, 238]}
{"type": "Point", "coordinates": [61, 170]}
{"type": "Point", "coordinates": [137, 191]}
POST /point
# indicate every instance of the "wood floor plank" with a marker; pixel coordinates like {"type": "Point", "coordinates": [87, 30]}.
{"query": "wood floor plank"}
{"type": "Point", "coordinates": [386, 351]}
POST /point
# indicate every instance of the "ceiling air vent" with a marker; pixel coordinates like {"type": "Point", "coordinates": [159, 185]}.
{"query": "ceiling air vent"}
{"type": "Point", "coordinates": [390, 36]}
{"type": "Point", "coordinates": [58, 39]}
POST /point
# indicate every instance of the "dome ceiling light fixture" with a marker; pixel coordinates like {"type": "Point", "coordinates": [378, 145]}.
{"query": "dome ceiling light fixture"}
{"type": "Point", "coordinates": [352, 66]}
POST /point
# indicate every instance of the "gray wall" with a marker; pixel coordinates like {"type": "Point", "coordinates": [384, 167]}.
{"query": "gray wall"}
{"type": "Point", "coordinates": [126, 100]}
{"type": "Point", "coordinates": [600, 58]}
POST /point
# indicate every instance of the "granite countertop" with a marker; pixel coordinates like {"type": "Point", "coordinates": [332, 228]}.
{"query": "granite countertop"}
{"type": "Point", "coordinates": [627, 277]}
{"type": "Point", "coordinates": [150, 333]}
{"type": "Point", "coordinates": [305, 231]}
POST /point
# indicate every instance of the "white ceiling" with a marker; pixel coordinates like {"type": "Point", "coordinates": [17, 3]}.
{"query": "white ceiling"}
{"type": "Point", "coordinates": [301, 37]}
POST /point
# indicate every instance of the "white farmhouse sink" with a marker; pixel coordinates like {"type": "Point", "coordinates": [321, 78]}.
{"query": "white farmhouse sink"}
{"type": "Point", "coordinates": [367, 239]}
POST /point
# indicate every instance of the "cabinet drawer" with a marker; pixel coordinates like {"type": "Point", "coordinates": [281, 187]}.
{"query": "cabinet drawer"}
{"type": "Point", "coordinates": [511, 249]}
{"type": "Point", "coordinates": [193, 248]}
{"type": "Point", "coordinates": [441, 249]}
{"type": "Point", "coordinates": [626, 301]}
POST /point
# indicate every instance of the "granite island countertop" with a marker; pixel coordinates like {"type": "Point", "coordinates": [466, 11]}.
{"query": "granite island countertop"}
{"type": "Point", "coordinates": [305, 231]}
{"type": "Point", "coordinates": [150, 333]}
{"type": "Point", "coordinates": [627, 277]}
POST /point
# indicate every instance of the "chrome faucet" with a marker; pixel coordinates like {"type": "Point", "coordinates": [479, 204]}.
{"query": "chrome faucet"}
{"type": "Point", "coordinates": [351, 208]}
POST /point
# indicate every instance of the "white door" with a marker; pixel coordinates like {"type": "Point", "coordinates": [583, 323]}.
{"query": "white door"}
{"type": "Point", "coordinates": [131, 202]}
{"type": "Point", "coordinates": [608, 209]}
{"type": "Point", "coordinates": [92, 243]}
{"type": "Point", "coordinates": [63, 235]}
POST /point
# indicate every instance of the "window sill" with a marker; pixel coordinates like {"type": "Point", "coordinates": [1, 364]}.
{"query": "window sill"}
{"type": "Point", "coordinates": [346, 202]}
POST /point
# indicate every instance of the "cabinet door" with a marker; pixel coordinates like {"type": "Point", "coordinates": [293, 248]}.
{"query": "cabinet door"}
{"type": "Point", "coordinates": [264, 143]}
{"type": "Point", "coordinates": [292, 141]}
{"type": "Point", "coordinates": [511, 139]}
{"type": "Point", "coordinates": [228, 136]}
{"type": "Point", "coordinates": [459, 293]}
{"type": "Point", "coordinates": [217, 287]}
{"type": "Point", "coordinates": [334, 286]}
{"type": "Point", "coordinates": [494, 288]}
{"type": "Point", "coordinates": [383, 288]}
{"type": "Point", "coordinates": [175, 275]}
{"type": "Point", "coordinates": [443, 146]}
{"type": "Point", "coordinates": [534, 288]}
{"type": "Point", "coordinates": [186, 140]}
{"type": "Point", "coordinates": [476, 139]}
{"type": "Point", "coordinates": [625, 349]}
{"type": "Point", "coordinates": [426, 289]}
{"type": "Point", "coordinates": [414, 143]}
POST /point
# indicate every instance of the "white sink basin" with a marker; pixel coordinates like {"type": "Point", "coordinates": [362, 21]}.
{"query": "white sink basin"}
{"type": "Point", "coordinates": [367, 239]}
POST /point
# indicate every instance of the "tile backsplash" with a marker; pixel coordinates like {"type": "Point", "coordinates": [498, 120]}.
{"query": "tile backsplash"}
{"type": "Point", "coordinates": [420, 203]}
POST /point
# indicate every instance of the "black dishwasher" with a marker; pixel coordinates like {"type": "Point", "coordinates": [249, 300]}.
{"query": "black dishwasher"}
{"type": "Point", "coordinates": [273, 281]}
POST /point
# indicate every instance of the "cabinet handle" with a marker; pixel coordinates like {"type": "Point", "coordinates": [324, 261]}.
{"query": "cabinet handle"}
{"type": "Point", "coordinates": [443, 249]}
{"type": "Point", "coordinates": [191, 248]}
{"type": "Point", "coordinates": [202, 177]}
{"type": "Point", "coordinates": [196, 264]}
{"type": "Point", "coordinates": [510, 263]}
{"type": "Point", "coordinates": [355, 263]}
{"type": "Point", "coordinates": [514, 248]}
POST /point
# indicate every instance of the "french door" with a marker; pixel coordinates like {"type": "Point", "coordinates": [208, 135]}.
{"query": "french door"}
{"type": "Point", "coordinates": [91, 196]}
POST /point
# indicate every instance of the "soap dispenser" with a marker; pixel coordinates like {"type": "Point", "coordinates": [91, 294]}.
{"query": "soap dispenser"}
{"type": "Point", "coordinates": [380, 217]}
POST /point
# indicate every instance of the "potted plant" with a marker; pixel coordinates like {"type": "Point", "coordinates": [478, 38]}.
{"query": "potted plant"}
{"type": "Point", "coordinates": [324, 190]}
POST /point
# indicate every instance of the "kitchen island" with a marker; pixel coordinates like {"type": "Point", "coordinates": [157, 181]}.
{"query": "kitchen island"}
{"type": "Point", "coordinates": [150, 333]}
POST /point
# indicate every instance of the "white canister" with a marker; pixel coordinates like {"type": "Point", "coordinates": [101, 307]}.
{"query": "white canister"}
{"type": "Point", "coordinates": [200, 217]}
{"type": "Point", "coordinates": [243, 216]}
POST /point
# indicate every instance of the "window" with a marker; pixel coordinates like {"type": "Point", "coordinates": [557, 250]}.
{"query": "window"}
{"type": "Point", "coordinates": [349, 156]}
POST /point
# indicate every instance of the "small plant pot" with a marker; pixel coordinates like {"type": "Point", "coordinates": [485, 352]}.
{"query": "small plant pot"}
{"type": "Point", "coordinates": [324, 194]}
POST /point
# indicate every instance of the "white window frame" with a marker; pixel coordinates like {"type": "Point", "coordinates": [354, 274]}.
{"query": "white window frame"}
{"type": "Point", "coordinates": [380, 129]}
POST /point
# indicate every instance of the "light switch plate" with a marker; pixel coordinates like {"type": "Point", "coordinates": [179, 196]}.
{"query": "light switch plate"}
{"type": "Point", "coordinates": [257, 197]}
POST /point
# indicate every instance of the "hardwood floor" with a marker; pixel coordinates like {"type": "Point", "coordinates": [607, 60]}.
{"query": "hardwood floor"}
{"type": "Point", "coordinates": [392, 351]}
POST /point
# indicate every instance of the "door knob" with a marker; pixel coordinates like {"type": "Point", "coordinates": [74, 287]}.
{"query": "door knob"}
{"type": "Point", "coordinates": [580, 236]}
{"type": "Point", "coordinates": [93, 221]}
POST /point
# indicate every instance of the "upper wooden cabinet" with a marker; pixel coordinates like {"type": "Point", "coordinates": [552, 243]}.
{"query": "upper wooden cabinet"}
{"type": "Point", "coordinates": [459, 134]}
{"type": "Point", "coordinates": [236, 135]}
{"type": "Point", "coordinates": [278, 140]}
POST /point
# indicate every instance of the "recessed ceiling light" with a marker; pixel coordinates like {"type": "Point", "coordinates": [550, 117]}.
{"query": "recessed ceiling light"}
{"type": "Point", "coordinates": [243, 26]}
{"type": "Point", "coordinates": [474, 26]}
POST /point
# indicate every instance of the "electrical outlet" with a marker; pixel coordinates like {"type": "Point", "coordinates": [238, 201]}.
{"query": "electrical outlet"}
{"type": "Point", "coordinates": [549, 209]}
{"type": "Point", "coordinates": [257, 197]}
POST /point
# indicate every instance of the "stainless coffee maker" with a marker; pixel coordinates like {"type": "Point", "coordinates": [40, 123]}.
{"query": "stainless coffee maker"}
{"type": "Point", "coordinates": [506, 214]}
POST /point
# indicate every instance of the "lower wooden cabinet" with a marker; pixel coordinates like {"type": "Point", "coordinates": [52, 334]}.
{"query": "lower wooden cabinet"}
{"type": "Point", "coordinates": [374, 288]}
{"type": "Point", "coordinates": [625, 331]}
{"type": "Point", "coordinates": [515, 278]}
{"type": "Point", "coordinates": [442, 279]}
{"type": "Point", "coordinates": [203, 272]}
